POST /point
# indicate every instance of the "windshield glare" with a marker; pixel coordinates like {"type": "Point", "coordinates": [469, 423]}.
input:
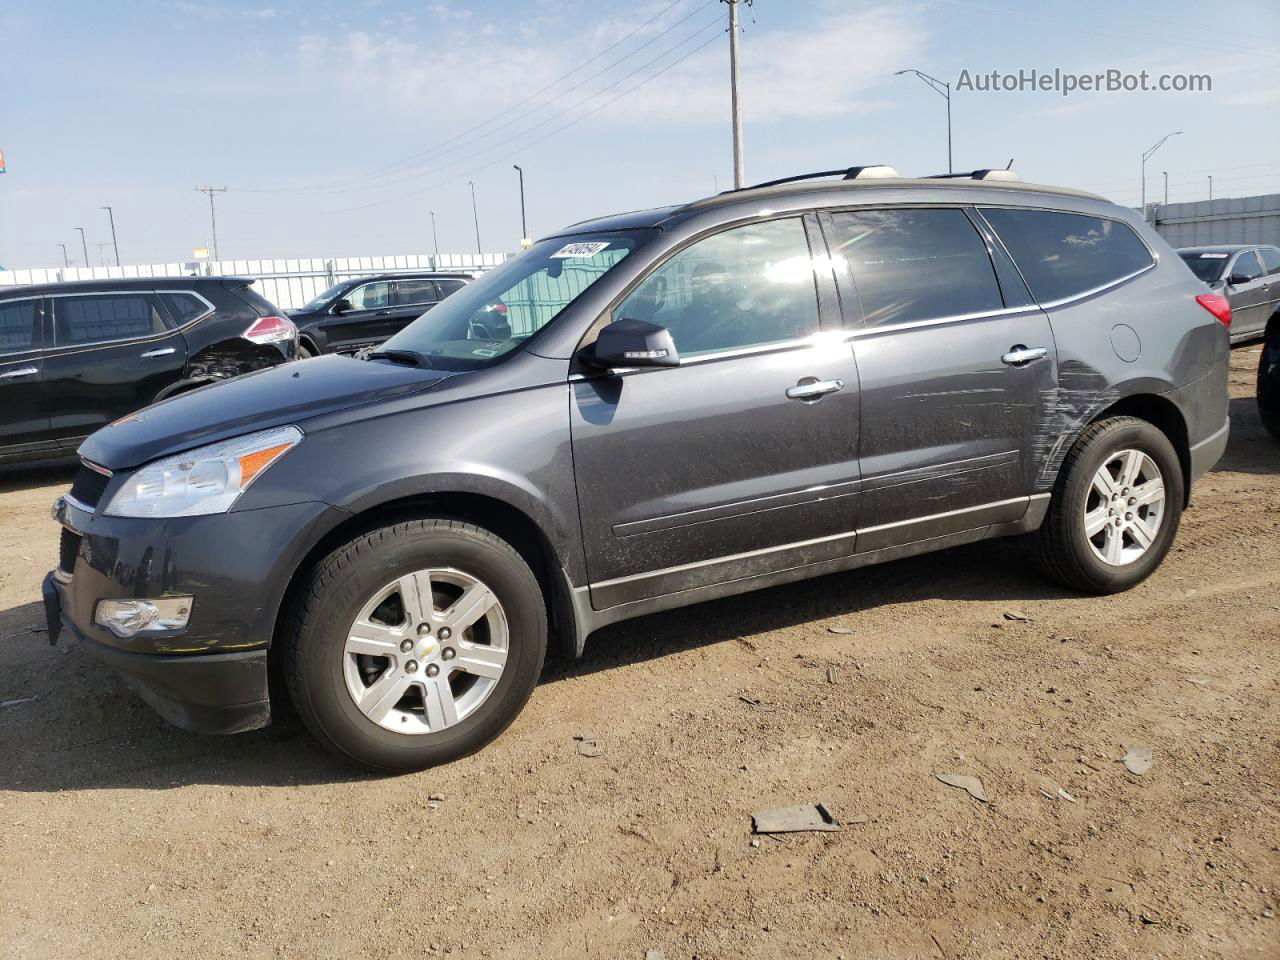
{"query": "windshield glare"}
{"type": "Point", "coordinates": [495, 313]}
{"type": "Point", "coordinates": [319, 301]}
{"type": "Point", "coordinates": [1206, 266]}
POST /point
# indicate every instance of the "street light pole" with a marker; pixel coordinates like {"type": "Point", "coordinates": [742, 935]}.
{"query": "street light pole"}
{"type": "Point", "coordinates": [84, 246]}
{"type": "Point", "coordinates": [1210, 187]}
{"type": "Point", "coordinates": [435, 239]}
{"type": "Point", "coordinates": [114, 245]}
{"type": "Point", "coordinates": [524, 225]}
{"type": "Point", "coordinates": [739, 163]}
{"type": "Point", "coordinates": [943, 90]}
{"type": "Point", "coordinates": [475, 213]}
{"type": "Point", "coordinates": [213, 220]}
{"type": "Point", "coordinates": [65, 261]}
{"type": "Point", "coordinates": [1166, 187]}
{"type": "Point", "coordinates": [1146, 155]}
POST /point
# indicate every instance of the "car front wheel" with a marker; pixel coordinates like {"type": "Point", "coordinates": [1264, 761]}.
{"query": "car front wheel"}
{"type": "Point", "coordinates": [1115, 507]}
{"type": "Point", "coordinates": [416, 644]}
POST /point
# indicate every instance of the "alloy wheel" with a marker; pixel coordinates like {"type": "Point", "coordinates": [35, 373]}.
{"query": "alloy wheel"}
{"type": "Point", "coordinates": [1124, 507]}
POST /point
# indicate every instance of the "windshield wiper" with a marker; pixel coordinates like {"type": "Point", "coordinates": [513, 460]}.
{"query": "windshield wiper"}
{"type": "Point", "coordinates": [410, 358]}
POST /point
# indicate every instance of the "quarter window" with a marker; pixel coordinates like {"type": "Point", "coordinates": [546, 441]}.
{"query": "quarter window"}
{"type": "Point", "coordinates": [183, 307]}
{"type": "Point", "coordinates": [410, 292]}
{"type": "Point", "coordinates": [916, 264]}
{"type": "Point", "coordinates": [1063, 255]}
{"type": "Point", "coordinates": [97, 319]}
{"type": "Point", "coordinates": [370, 296]}
{"type": "Point", "coordinates": [17, 326]}
{"type": "Point", "coordinates": [745, 287]}
{"type": "Point", "coordinates": [1270, 259]}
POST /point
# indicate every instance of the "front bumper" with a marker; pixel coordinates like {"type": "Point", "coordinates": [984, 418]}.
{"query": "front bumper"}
{"type": "Point", "coordinates": [210, 676]}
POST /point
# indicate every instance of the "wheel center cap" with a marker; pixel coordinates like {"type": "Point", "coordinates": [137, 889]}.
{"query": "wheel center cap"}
{"type": "Point", "coordinates": [426, 647]}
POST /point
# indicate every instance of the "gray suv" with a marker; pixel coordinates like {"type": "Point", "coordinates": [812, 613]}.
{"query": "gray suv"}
{"type": "Point", "coordinates": [684, 403]}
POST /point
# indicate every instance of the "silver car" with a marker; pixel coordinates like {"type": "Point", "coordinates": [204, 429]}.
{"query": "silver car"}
{"type": "Point", "coordinates": [1247, 275]}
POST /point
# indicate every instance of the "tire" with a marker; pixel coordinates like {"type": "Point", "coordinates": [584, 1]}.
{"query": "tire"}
{"type": "Point", "coordinates": [1269, 382]}
{"type": "Point", "coordinates": [1063, 548]}
{"type": "Point", "coordinates": [325, 676]}
{"type": "Point", "coordinates": [306, 351]}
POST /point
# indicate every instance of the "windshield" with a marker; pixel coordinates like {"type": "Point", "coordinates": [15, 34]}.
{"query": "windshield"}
{"type": "Point", "coordinates": [1206, 266]}
{"type": "Point", "coordinates": [494, 314]}
{"type": "Point", "coordinates": [319, 301]}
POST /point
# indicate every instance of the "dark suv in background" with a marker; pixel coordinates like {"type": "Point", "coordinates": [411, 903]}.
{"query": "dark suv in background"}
{"type": "Point", "coordinates": [76, 356]}
{"type": "Point", "coordinates": [681, 404]}
{"type": "Point", "coordinates": [365, 311]}
{"type": "Point", "coordinates": [1247, 275]}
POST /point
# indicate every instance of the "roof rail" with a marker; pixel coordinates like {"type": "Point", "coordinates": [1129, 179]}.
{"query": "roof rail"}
{"type": "Point", "coordinates": [871, 171]}
{"type": "Point", "coordinates": [985, 174]}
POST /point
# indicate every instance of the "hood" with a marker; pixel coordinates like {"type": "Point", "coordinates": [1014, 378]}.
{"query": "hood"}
{"type": "Point", "coordinates": [289, 393]}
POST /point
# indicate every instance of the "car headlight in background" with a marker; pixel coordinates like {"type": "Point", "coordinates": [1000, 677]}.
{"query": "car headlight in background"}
{"type": "Point", "coordinates": [202, 481]}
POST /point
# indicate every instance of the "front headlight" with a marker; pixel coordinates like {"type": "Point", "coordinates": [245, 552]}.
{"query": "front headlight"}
{"type": "Point", "coordinates": [206, 480]}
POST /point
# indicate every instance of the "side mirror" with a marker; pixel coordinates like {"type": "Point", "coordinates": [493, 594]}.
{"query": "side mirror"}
{"type": "Point", "coordinates": [1236, 279]}
{"type": "Point", "coordinates": [634, 343]}
{"type": "Point", "coordinates": [340, 306]}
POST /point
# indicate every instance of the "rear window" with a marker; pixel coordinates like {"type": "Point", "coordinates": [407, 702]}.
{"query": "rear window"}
{"type": "Point", "coordinates": [17, 326]}
{"type": "Point", "coordinates": [1063, 255]}
{"type": "Point", "coordinates": [916, 264]}
{"type": "Point", "coordinates": [183, 307]}
{"type": "Point", "coordinates": [1206, 266]}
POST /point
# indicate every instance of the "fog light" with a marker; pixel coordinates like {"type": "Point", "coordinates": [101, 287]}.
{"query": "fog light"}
{"type": "Point", "coordinates": [126, 618]}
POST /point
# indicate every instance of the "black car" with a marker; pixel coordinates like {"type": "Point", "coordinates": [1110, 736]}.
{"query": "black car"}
{"type": "Point", "coordinates": [365, 311]}
{"type": "Point", "coordinates": [680, 404]}
{"type": "Point", "coordinates": [76, 356]}
{"type": "Point", "coordinates": [1269, 379]}
{"type": "Point", "coordinates": [1248, 275]}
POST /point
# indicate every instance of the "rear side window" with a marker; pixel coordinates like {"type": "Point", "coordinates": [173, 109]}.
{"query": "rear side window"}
{"type": "Point", "coordinates": [96, 319]}
{"type": "Point", "coordinates": [915, 264]}
{"type": "Point", "coordinates": [1247, 266]}
{"type": "Point", "coordinates": [183, 307]}
{"type": "Point", "coordinates": [17, 326]}
{"type": "Point", "coordinates": [415, 291]}
{"type": "Point", "coordinates": [1063, 255]}
{"type": "Point", "coordinates": [1270, 259]}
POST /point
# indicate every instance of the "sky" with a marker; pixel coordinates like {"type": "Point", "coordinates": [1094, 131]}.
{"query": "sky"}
{"type": "Point", "coordinates": [338, 127]}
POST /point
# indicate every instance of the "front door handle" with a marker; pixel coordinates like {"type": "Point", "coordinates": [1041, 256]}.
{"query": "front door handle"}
{"type": "Point", "coordinates": [811, 389]}
{"type": "Point", "coordinates": [162, 352]}
{"type": "Point", "coordinates": [383, 313]}
{"type": "Point", "coordinates": [1020, 356]}
{"type": "Point", "coordinates": [19, 372]}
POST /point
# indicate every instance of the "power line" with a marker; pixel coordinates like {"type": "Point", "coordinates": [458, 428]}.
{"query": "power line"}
{"type": "Point", "coordinates": [525, 147]}
{"type": "Point", "coordinates": [546, 120]}
{"type": "Point", "coordinates": [411, 160]}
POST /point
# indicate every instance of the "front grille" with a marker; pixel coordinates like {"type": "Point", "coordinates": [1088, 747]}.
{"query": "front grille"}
{"type": "Point", "coordinates": [89, 486]}
{"type": "Point", "coordinates": [68, 549]}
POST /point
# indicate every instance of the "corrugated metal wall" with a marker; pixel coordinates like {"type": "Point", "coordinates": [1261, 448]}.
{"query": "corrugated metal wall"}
{"type": "Point", "coordinates": [1225, 220]}
{"type": "Point", "coordinates": [286, 283]}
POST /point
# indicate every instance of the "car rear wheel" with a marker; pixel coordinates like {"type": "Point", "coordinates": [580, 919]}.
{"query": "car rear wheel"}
{"type": "Point", "coordinates": [416, 644]}
{"type": "Point", "coordinates": [1115, 507]}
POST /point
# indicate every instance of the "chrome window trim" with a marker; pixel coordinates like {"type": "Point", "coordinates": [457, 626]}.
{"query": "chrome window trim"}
{"type": "Point", "coordinates": [1096, 290]}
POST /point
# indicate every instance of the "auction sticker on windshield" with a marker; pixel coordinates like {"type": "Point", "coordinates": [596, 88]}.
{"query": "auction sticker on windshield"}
{"type": "Point", "coordinates": [574, 251]}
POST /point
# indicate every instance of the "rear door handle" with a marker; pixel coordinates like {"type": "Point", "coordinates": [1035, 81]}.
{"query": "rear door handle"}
{"type": "Point", "coordinates": [19, 372]}
{"type": "Point", "coordinates": [162, 352]}
{"type": "Point", "coordinates": [1020, 355]}
{"type": "Point", "coordinates": [811, 388]}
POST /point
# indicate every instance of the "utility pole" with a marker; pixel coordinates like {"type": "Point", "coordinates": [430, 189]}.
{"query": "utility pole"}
{"type": "Point", "coordinates": [739, 165]}
{"type": "Point", "coordinates": [435, 239]}
{"type": "Point", "coordinates": [1211, 187]}
{"type": "Point", "coordinates": [102, 253]}
{"type": "Point", "coordinates": [943, 89]}
{"type": "Point", "coordinates": [65, 261]}
{"type": "Point", "coordinates": [84, 246]}
{"type": "Point", "coordinates": [1146, 155]}
{"type": "Point", "coordinates": [475, 212]}
{"type": "Point", "coordinates": [114, 246]}
{"type": "Point", "coordinates": [524, 224]}
{"type": "Point", "coordinates": [213, 220]}
{"type": "Point", "coordinates": [1166, 187]}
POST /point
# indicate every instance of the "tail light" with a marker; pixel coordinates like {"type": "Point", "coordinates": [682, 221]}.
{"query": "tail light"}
{"type": "Point", "coordinates": [1218, 305]}
{"type": "Point", "coordinates": [270, 330]}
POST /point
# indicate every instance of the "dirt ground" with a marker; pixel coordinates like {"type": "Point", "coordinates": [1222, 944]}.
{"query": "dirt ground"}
{"type": "Point", "coordinates": [123, 837]}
